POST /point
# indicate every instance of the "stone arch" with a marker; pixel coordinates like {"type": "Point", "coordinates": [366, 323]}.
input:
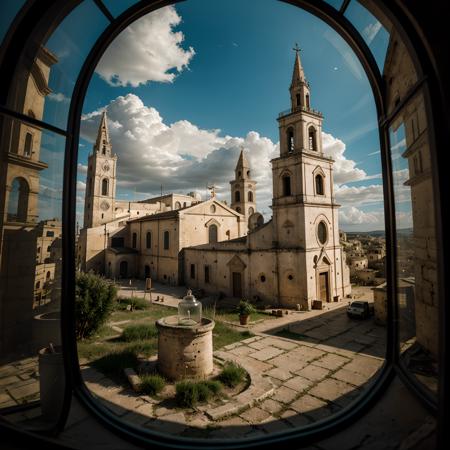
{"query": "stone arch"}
{"type": "Point", "coordinates": [18, 200]}
{"type": "Point", "coordinates": [286, 183]}
{"type": "Point", "coordinates": [177, 205]}
{"type": "Point", "coordinates": [213, 232]}
{"type": "Point", "coordinates": [312, 138]}
{"type": "Point", "coordinates": [28, 146]}
{"type": "Point", "coordinates": [290, 139]}
{"type": "Point", "coordinates": [237, 196]}
{"type": "Point", "coordinates": [250, 196]}
{"type": "Point", "coordinates": [105, 186]}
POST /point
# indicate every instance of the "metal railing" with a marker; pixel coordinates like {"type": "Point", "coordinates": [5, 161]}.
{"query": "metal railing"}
{"type": "Point", "coordinates": [297, 109]}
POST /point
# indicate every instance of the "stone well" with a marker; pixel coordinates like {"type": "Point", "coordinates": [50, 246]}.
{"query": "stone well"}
{"type": "Point", "coordinates": [185, 351]}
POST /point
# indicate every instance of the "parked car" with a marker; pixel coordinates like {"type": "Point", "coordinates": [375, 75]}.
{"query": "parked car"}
{"type": "Point", "coordinates": [361, 309]}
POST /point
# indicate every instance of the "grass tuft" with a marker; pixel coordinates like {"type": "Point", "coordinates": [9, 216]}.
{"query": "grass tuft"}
{"type": "Point", "coordinates": [113, 364]}
{"type": "Point", "coordinates": [232, 375]}
{"type": "Point", "coordinates": [189, 393]}
{"type": "Point", "coordinates": [152, 384]}
{"type": "Point", "coordinates": [139, 332]}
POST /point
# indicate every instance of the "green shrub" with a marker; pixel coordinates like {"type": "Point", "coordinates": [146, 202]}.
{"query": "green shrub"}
{"type": "Point", "coordinates": [232, 375]}
{"type": "Point", "coordinates": [186, 394]}
{"type": "Point", "coordinates": [136, 303]}
{"type": "Point", "coordinates": [113, 364]}
{"type": "Point", "coordinates": [94, 300]}
{"type": "Point", "coordinates": [152, 384]}
{"type": "Point", "coordinates": [139, 332]}
{"type": "Point", "coordinates": [189, 393]}
{"type": "Point", "coordinates": [245, 308]}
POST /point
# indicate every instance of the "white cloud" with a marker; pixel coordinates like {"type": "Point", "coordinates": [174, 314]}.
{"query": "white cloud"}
{"type": "Point", "coordinates": [180, 156]}
{"type": "Point", "coordinates": [58, 97]}
{"type": "Point", "coordinates": [82, 168]}
{"type": "Point", "coordinates": [359, 195]}
{"type": "Point", "coordinates": [352, 216]}
{"type": "Point", "coordinates": [183, 157]}
{"type": "Point", "coordinates": [148, 50]}
{"type": "Point", "coordinates": [345, 170]}
{"type": "Point", "coordinates": [371, 31]}
{"type": "Point", "coordinates": [81, 186]}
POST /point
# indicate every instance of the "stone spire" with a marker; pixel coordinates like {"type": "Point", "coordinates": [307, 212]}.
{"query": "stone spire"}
{"type": "Point", "coordinates": [103, 144]}
{"type": "Point", "coordinates": [299, 88]}
{"type": "Point", "coordinates": [298, 75]}
{"type": "Point", "coordinates": [242, 167]}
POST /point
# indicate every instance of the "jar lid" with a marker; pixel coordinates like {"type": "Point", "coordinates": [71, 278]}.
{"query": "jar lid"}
{"type": "Point", "coordinates": [189, 296]}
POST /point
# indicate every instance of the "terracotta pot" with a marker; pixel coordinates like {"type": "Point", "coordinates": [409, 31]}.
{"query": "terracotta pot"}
{"type": "Point", "coordinates": [243, 319]}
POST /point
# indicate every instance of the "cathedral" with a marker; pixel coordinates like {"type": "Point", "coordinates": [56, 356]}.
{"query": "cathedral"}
{"type": "Point", "coordinates": [293, 259]}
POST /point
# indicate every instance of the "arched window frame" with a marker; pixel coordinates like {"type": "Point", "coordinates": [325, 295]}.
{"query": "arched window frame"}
{"type": "Point", "coordinates": [28, 145]}
{"type": "Point", "coordinates": [286, 184]}
{"type": "Point", "coordinates": [250, 196]}
{"type": "Point", "coordinates": [312, 138]}
{"type": "Point", "coordinates": [166, 240]}
{"type": "Point", "coordinates": [20, 189]}
{"type": "Point", "coordinates": [237, 196]}
{"type": "Point", "coordinates": [369, 65]}
{"type": "Point", "coordinates": [105, 186]}
{"type": "Point", "coordinates": [213, 233]}
{"type": "Point", "coordinates": [290, 139]}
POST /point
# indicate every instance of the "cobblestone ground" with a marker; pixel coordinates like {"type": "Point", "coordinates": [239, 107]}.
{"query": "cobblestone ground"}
{"type": "Point", "coordinates": [331, 361]}
{"type": "Point", "coordinates": [19, 382]}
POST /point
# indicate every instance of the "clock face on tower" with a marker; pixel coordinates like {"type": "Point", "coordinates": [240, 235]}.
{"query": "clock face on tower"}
{"type": "Point", "coordinates": [104, 205]}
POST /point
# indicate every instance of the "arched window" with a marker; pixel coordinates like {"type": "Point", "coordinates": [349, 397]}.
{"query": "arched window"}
{"type": "Point", "coordinates": [297, 97]}
{"type": "Point", "coordinates": [166, 240]}
{"type": "Point", "coordinates": [212, 234]}
{"type": "Point", "coordinates": [105, 186]}
{"type": "Point", "coordinates": [307, 101]}
{"type": "Point", "coordinates": [47, 276]}
{"type": "Point", "coordinates": [38, 284]}
{"type": "Point", "coordinates": [250, 211]}
{"type": "Point", "coordinates": [250, 196]}
{"type": "Point", "coordinates": [103, 150]}
{"type": "Point", "coordinates": [319, 185]}
{"type": "Point", "coordinates": [312, 139]}
{"type": "Point", "coordinates": [286, 185]}
{"type": "Point", "coordinates": [177, 205]}
{"type": "Point", "coordinates": [28, 147]}
{"type": "Point", "coordinates": [134, 240]}
{"type": "Point", "coordinates": [18, 201]}
{"type": "Point", "coordinates": [290, 140]}
{"type": "Point", "coordinates": [237, 196]}
{"type": "Point", "coordinates": [148, 240]}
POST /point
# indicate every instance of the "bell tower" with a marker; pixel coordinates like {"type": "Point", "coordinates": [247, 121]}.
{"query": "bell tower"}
{"type": "Point", "coordinates": [243, 188]}
{"type": "Point", "coordinates": [101, 180]}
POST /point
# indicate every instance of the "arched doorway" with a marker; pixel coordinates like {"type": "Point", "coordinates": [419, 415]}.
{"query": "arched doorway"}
{"type": "Point", "coordinates": [123, 269]}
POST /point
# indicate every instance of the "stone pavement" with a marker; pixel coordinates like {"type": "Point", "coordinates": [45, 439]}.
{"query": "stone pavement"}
{"type": "Point", "coordinates": [19, 382]}
{"type": "Point", "coordinates": [311, 381]}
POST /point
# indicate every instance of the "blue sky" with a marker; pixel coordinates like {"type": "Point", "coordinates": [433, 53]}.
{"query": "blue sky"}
{"type": "Point", "coordinates": [219, 85]}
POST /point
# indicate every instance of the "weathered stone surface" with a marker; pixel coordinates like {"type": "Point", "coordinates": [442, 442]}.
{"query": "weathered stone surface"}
{"type": "Point", "coordinates": [307, 403]}
{"type": "Point", "coordinates": [285, 395]}
{"type": "Point", "coordinates": [364, 365]}
{"type": "Point", "coordinates": [313, 373]}
{"type": "Point", "coordinates": [299, 383]}
{"type": "Point", "coordinates": [286, 362]}
{"type": "Point", "coordinates": [266, 353]}
{"type": "Point", "coordinates": [256, 415]}
{"type": "Point", "coordinates": [350, 377]}
{"type": "Point", "coordinates": [331, 389]}
{"type": "Point", "coordinates": [271, 406]}
{"type": "Point", "coordinates": [8, 380]}
{"type": "Point", "coordinates": [279, 343]}
{"type": "Point", "coordinates": [280, 374]}
{"type": "Point", "coordinates": [24, 390]}
{"type": "Point", "coordinates": [331, 361]}
{"type": "Point", "coordinates": [133, 379]}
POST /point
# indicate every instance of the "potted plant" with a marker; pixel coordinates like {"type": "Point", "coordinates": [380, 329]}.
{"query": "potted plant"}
{"type": "Point", "coordinates": [245, 308]}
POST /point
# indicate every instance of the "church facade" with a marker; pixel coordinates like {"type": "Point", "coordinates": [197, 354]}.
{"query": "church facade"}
{"type": "Point", "coordinates": [293, 259]}
{"type": "Point", "coordinates": [296, 257]}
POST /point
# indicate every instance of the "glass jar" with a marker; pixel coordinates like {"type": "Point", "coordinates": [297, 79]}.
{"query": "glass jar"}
{"type": "Point", "coordinates": [189, 311]}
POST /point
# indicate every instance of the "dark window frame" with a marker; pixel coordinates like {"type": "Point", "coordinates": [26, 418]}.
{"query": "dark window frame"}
{"type": "Point", "coordinates": [421, 57]}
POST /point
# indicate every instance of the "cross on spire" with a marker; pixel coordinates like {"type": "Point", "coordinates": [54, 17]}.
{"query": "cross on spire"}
{"type": "Point", "coordinates": [297, 48]}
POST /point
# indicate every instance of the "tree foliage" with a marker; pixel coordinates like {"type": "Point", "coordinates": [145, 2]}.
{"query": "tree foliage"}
{"type": "Point", "coordinates": [94, 301]}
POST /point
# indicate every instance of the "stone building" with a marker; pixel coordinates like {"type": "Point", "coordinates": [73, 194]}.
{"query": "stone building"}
{"type": "Point", "coordinates": [146, 238]}
{"type": "Point", "coordinates": [21, 234]}
{"type": "Point", "coordinates": [296, 257]}
{"type": "Point", "coordinates": [421, 251]}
